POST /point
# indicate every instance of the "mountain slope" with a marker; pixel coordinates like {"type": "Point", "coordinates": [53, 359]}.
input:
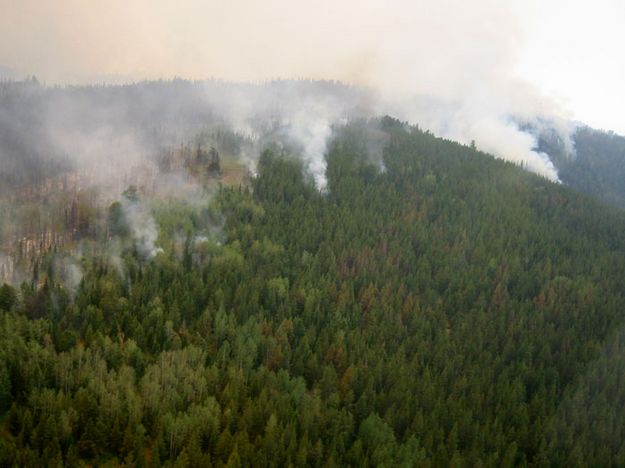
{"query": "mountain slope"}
{"type": "Point", "coordinates": [598, 166]}
{"type": "Point", "coordinates": [435, 306]}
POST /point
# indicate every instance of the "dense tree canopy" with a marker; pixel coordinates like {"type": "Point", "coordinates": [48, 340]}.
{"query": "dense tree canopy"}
{"type": "Point", "coordinates": [433, 307]}
{"type": "Point", "coordinates": [597, 165]}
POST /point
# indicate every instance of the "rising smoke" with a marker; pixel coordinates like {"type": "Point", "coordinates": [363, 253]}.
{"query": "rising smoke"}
{"type": "Point", "coordinates": [446, 65]}
{"type": "Point", "coordinates": [142, 227]}
{"type": "Point", "coordinates": [104, 133]}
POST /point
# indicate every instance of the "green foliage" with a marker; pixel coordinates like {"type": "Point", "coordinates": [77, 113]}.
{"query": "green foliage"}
{"type": "Point", "coordinates": [117, 224]}
{"type": "Point", "coordinates": [8, 297]}
{"type": "Point", "coordinates": [597, 166]}
{"type": "Point", "coordinates": [435, 307]}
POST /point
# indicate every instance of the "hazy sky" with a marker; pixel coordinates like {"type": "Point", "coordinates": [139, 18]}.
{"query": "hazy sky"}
{"type": "Point", "coordinates": [569, 50]}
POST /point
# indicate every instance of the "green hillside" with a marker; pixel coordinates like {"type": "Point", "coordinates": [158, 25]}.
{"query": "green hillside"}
{"type": "Point", "coordinates": [433, 307]}
{"type": "Point", "coordinates": [598, 166]}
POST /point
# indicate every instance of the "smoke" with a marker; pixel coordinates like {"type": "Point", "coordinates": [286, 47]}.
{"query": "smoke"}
{"type": "Point", "coordinates": [449, 66]}
{"type": "Point", "coordinates": [299, 115]}
{"type": "Point", "coordinates": [86, 132]}
{"type": "Point", "coordinates": [113, 255]}
{"type": "Point", "coordinates": [110, 136]}
{"type": "Point", "coordinates": [502, 120]}
{"type": "Point", "coordinates": [179, 186]}
{"type": "Point", "coordinates": [307, 128]}
{"type": "Point", "coordinates": [142, 226]}
{"type": "Point", "coordinates": [314, 136]}
{"type": "Point", "coordinates": [68, 270]}
{"type": "Point", "coordinates": [7, 74]}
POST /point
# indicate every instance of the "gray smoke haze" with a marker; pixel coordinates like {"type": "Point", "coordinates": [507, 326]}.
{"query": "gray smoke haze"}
{"type": "Point", "coordinates": [142, 226]}
{"type": "Point", "coordinates": [461, 69]}
{"type": "Point", "coordinates": [494, 126]}
{"type": "Point", "coordinates": [68, 270]}
{"type": "Point", "coordinates": [110, 135]}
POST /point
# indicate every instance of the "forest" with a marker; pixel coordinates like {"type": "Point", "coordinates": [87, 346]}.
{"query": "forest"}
{"type": "Point", "coordinates": [433, 306]}
{"type": "Point", "coordinates": [597, 166]}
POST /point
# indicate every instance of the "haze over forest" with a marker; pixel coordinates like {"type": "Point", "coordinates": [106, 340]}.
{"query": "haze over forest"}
{"type": "Point", "coordinates": [466, 72]}
{"type": "Point", "coordinates": [312, 233]}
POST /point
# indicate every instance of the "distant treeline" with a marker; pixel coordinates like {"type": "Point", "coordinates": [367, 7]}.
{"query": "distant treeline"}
{"type": "Point", "coordinates": [597, 166]}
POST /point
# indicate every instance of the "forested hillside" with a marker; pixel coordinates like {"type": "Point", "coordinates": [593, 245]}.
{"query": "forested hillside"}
{"type": "Point", "coordinates": [433, 307]}
{"type": "Point", "coordinates": [597, 166]}
{"type": "Point", "coordinates": [46, 131]}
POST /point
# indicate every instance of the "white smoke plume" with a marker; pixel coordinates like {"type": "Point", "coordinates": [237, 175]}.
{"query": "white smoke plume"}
{"type": "Point", "coordinates": [142, 226]}
{"type": "Point", "coordinates": [298, 114]}
{"type": "Point", "coordinates": [106, 133]}
{"type": "Point", "coordinates": [503, 122]}
{"type": "Point", "coordinates": [476, 56]}
{"type": "Point", "coordinates": [114, 257]}
{"type": "Point", "coordinates": [68, 270]}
